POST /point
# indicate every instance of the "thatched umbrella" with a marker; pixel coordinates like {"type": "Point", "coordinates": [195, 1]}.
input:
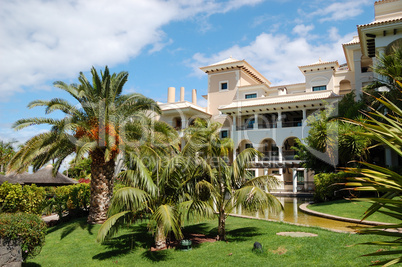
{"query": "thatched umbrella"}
{"type": "Point", "coordinates": [43, 177]}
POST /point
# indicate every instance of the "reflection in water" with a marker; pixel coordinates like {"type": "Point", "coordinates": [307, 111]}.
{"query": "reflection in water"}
{"type": "Point", "coordinates": [292, 214]}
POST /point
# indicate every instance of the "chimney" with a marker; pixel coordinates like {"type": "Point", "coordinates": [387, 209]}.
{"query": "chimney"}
{"type": "Point", "coordinates": [171, 95]}
{"type": "Point", "coordinates": [194, 97]}
{"type": "Point", "coordinates": [181, 94]}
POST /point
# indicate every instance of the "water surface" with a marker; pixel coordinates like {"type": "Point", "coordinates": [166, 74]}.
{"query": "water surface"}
{"type": "Point", "coordinates": [292, 214]}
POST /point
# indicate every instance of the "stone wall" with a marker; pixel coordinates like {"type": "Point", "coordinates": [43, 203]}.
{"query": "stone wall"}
{"type": "Point", "coordinates": [10, 253]}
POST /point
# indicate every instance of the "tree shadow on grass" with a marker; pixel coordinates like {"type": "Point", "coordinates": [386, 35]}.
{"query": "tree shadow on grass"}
{"type": "Point", "coordinates": [138, 236]}
{"type": "Point", "coordinates": [30, 264]}
{"type": "Point", "coordinates": [156, 256]}
{"type": "Point", "coordinates": [201, 228]}
{"type": "Point", "coordinates": [242, 234]}
{"type": "Point", "coordinates": [72, 226]}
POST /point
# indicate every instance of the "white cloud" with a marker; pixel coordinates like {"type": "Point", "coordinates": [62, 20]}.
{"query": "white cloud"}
{"type": "Point", "coordinates": [302, 30]}
{"type": "Point", "coordinates": [47, 40]}
{"type": "Point", "coordinates": [341, 10]}
{"type": "Point", "coordinates": [277, 57]}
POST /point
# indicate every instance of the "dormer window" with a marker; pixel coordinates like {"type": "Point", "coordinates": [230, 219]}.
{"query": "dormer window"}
{"type": "Point", "coordinates": [223, 86]}
{"type": "Point", "coordinates": [319, 88]}
{"type": "Point", "coordinates": [248, 96]}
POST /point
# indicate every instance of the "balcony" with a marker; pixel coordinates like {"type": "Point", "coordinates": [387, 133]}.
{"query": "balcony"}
{"type": "Point", "coordinates": [267, 125]}
{"type": "Point", "coordinates": [269, 156]}
{"type": "Point", "coordinates": [297, 123]}
{"type": "Point", "coordinates": [289, 154]}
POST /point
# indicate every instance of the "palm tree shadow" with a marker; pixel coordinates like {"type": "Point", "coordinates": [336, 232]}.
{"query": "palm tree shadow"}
{"type": "Point", "coordinates": [68, 229]}
{"type": "Point", "coordinates": [124, 244]}
{"type": "Point", "coordinates": [242, 234]}
{"type": "Point", "coordinates": [156, 256]}
{"type": "Point", "coordinates": [201, 228]}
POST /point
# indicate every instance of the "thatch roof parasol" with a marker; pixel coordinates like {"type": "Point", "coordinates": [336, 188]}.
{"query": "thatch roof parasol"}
{"type": "Point", "coordinates": [43, 177]}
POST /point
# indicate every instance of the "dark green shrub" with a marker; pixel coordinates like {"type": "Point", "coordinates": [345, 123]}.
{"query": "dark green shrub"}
{"type": "Point", "coordinates": [326, 188]}
{"type": "Point", "coordinates": [28, 229]}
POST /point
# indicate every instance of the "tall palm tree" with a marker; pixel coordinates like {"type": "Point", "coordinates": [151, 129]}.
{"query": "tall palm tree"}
{"type": "Point", "coordinates": [102, 125]}
{"type": "Point", "coordinates": [223, 186]}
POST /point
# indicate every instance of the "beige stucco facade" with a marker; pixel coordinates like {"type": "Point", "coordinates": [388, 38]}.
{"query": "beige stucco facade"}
{"type": "Point", "coordinates": [269, 118]}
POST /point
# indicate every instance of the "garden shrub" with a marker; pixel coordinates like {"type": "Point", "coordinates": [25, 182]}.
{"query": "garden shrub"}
{"type": "Point", "coordinates": [72, 198]}
{"type": "Point", "coordinates": [326, 188]}
{"type": "Point", "coordinates": [16, 198]}
{"type": "Point", "coordinates": [28, 229]}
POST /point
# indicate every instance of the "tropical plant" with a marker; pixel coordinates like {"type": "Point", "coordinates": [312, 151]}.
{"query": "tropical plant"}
{"type": "Point", "coordinates": [103, 124]}
{"type": "Point", "coordinates": [331, 143]}
{"type": "Point", "coordinates": [79, 169]}
{"type": "Point", "coordinates": [385, 128]}
{"type": "Point", "coordinates": [6, 153]}
{"type": "Point", "coordinates": [388, 68]}
{"type": "Point", "coordinates": [218, 185]}
{"type": "Point", "coordinates": [149, 192]}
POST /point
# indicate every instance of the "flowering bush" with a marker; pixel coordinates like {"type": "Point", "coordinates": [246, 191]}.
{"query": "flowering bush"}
{"type": "Point", "coordinates": [28, 229]}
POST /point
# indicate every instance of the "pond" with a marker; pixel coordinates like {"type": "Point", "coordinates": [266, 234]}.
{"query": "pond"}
{"type": "Point", "coordinates": [292, 214]}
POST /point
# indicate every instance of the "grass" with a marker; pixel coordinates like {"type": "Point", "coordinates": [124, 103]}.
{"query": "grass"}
{"type": "Point", "coordinates": [73, 244]}
{"type": "Point", "coordinates": [350, 209]}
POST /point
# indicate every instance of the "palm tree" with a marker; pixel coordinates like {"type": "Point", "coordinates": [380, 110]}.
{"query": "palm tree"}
{"type": "Point", "coordinates": [6, 153]}
{"type": "Point", "coordinates": [152, 191]}
{"type": "Point", "coordinates": [102, 125]}
{"type": "Point", "coordinates": [222, 186]}
{"type": "Point", "coordinates": [385, 128]}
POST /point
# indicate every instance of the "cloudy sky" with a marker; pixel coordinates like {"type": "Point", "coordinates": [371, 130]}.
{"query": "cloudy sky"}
{"type": "Point", "coordinates": [160, 43]}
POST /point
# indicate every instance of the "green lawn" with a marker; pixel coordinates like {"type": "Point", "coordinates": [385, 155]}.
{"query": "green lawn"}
{"type": "Point", "coordinates": [73, 244]}
{"type": "Point", "coordinates": [350, 209]}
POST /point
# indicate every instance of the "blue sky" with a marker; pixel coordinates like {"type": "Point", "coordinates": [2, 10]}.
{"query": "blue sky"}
{"type": "Point", "coordinates": [160, 44]}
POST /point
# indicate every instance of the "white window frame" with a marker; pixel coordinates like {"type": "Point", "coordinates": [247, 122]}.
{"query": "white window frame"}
{"type": "Point", "coordinates": [251, 93]}
{"type": "Point", "coordinates": [312, 88]}
{"type": "Point", "coordinates": [220, 86]}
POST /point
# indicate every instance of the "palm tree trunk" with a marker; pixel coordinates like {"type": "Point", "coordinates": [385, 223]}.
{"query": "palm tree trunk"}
{"type": "Point", "coordinates": [222, 217]}
{"type": "Point", "coordinates": [101, 187]}
{"type": "Point", "coordinates": [160, 238]}
{"type": "Point", "coordinates": [221, 226]}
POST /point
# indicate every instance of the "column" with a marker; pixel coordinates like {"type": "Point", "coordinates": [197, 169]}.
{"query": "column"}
{"type": "Point", "coordinates": [294, 180]}
{"type": "Point", "coordinates": [304, 116]}
{"type": "Point", "coordinates": [280, 158]}
{"type": "Point", "coordinates": [255, 121]}
{"type": "Point", "coordinates": [279, 119]}
{"type": "Point", "coordinates": [380, 52]}
{"type": "Point", "coordinates": [234, 123]}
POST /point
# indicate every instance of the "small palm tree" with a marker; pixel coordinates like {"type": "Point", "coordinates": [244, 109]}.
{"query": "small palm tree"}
{"type": "Point", "coordinates": [102, 125]}
{"type": "Point", "coordinates": [221, 186]}
{"type": "Point", "coordinates": [152, 192]}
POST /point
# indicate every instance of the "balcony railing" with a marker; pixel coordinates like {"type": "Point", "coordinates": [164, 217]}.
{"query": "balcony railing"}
{"type": "Point", "coordinates": [270, 125]}
{"type": "Point", "coordinates": [269, 156]}
{"type": "Point", "coordinates": [267, 125]}
{"type": "Point", "coordinates": [288, 154]}
{"type": "Point", "coordinates": [245, 127]}
{"type": "Point", "coordinates": [292, 123]}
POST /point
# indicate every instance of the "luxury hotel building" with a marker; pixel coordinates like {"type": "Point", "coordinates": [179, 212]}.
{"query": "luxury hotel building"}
{"type": "Point", "coordinates": [256, 114]}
